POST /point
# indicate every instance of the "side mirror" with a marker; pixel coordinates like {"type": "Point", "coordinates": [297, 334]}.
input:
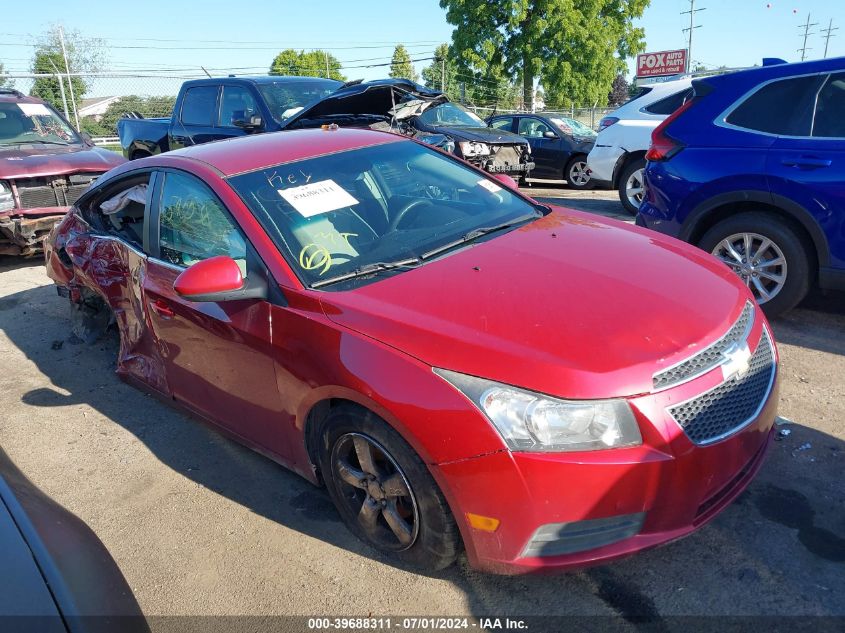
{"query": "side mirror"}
{"type": "Point", "coordinates": [506, 180]}
{"type": "Point", "coordinates": [217, 279]}
{"type": "Point", "coordinates": [549, 134]}
{"type": "Point", "coordinates": [246, 122]}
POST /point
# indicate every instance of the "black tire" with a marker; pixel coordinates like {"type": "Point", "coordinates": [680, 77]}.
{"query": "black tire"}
{"type": "Point", "coordinates": [436, 540]}
{"type": "Point", "coordinates": [139, 154]}
{"type": "Point", "coordinates": [568, 175]}
{"type": "Point", "coordinates": [629, 169]}
{"type": "Point", "coordinates": [799, 269]}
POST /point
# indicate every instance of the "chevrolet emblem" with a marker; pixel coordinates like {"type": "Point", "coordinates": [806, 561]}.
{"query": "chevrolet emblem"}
{"type": "Point", "coordinates": [737, 361]}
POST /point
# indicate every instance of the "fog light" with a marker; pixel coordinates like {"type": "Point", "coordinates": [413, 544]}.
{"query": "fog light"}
{"type": "Point", "coordinates": [485, 524]}
{"type": "Point", "coordinates": [555, 539]}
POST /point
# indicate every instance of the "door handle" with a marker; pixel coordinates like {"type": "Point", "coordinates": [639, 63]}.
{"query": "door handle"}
{"type": "Point", "coordinates": [807, 162]}
{"type": "Point", "coordinates": [162, 309]}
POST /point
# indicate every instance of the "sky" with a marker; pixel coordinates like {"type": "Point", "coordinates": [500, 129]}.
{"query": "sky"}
{"type": "Point", "coordinates": [224, 36]}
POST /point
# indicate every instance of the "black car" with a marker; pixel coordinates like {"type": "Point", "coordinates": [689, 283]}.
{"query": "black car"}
{"type": "Point", "coordinates": [55, 574]}
{"type": "Point", "coordinates": [559, 145]}
{"type": "Point", "coordinates": [213, 109]}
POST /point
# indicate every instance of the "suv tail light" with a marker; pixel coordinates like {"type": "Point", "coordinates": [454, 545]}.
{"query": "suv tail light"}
{"type": "Point", "coordinates": [607, 122]}
{"type": "Point", "coordinates": [663, 146]}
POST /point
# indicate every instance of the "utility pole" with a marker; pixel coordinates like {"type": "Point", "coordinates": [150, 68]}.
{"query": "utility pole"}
{"type": "Point", "coordinates": [69, 80]}
{"type": "Point", "coordinates": [692, 26]}
{"type": "Point", "coordinates": [326, 53]}
{"type": "Point", "coordinates": [828, 34]}
{"type": "Point", "coordinates": [443, 74]}
{"type": "Point", "coordinates": [61, 88]}
{"type": "Point", "coordinates": [803, 50]}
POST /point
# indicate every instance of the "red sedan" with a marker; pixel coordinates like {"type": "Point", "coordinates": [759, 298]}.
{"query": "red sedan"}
{"type": "Point", "coordinates": [462, 367]}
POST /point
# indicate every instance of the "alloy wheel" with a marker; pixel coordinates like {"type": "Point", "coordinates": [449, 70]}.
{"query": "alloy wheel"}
{"type": "Point", "coordinates": [634, 188]}
{"type": "Point", "coordinates": [757, 260]}
{"type": "Point", "coordinates": [375, 491]}
{"type": "Point", "coordinates": [579, 174]}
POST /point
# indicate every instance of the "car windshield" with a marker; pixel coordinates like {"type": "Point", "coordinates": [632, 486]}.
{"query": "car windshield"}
{"type": "Point", "coordinates": [573, 126]}
{"type": "Point", "coordinates": [33, 123]}
{"type": "Point", "coordinates": [385, 206]}
{"type": "Point", "coordinates": [286, 98]}
{"type": "Point", "coordinates": [451, 114]}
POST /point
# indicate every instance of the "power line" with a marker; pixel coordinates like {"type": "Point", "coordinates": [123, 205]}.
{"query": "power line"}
{"type": "Point", "coordinates": [828, 34]}
{"type": "Point", "coordinates": [692, 26]}
{"type": "Point", "coordinates": [803, 50]}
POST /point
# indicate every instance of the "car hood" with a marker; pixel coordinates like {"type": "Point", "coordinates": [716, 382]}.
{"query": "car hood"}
{"type": "Point", "coordinates": [31, 161]}
{"type": "Point", "coordinates": [568, 305]}
{"type": "Point", "coordinates": [481, 134]}
{"type": "Point", "coordinates": [376, 97]}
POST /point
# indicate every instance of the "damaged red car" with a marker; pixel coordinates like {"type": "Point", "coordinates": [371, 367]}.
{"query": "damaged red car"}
{"type": "Point", "coordinates": [44, 168]}
{"type": "Point", "coordinates": [443, 353]}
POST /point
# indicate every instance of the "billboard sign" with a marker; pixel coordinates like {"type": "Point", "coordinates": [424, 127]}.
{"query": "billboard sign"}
{"type": "Point", "coordinates": [662, 64]}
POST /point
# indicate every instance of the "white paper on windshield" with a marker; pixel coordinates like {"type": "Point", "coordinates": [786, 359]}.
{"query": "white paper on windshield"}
{"type": "Point", "coordinates": [492, 187]}
{"type": "Point", "coordinates": [317, 197]}
{"type": "Point", "coordinates": [291, 111]}
{"type": "Point", "coordinates": [34, 109]}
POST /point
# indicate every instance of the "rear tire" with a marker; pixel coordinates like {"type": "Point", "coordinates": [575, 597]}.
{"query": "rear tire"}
{"type": "Point", "coordinates": [577, 175]}
{"type": "Point", "coordinates": [383, 490]}
{"type": "Point", "coordinates": [769, 239]}
{"type": "Point", "coordinates": [139, 154]}
{"type": "Point", "coordinates": [631, 185]}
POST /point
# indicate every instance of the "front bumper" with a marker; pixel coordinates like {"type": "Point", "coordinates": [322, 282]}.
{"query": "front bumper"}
{"type": "Point", "coordinates": [560, 511]}
{"type": "Point", "coordinates": [23, 231]}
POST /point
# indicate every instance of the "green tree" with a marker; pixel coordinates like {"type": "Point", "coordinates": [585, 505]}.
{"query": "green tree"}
{"type": "Point", "coordinates": [441, 68]}
{"type": "Point", "coordinates": [574, 49]}
{"type": "Point", "coordinates": [146, 106]}
{"type": "Point", "coordinates": [84, 55]}
{"type": "Point", "coordinates": [5, 82]}
{"type": "Point", "coordinates": [400, 64]}
{"type": "Point", "coordinates": [307, 64]}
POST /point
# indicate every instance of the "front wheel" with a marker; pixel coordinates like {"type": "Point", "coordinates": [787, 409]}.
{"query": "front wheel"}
{"type": "Point", "coordinates": [631, 189]}
{"type": "Point", "coordinates": [577, 174]}
{"type": "Point", "coordinates": [384, 492]}
{"type": "Point", "coordinates": [767, 254]}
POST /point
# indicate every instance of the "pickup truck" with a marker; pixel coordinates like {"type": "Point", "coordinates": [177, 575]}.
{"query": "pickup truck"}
{"type": "Point", "coordinates": [213, 109]}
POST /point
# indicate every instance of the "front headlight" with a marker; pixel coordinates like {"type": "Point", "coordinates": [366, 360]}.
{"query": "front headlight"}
{"type": "Point", "coordinates": [7, 201]}
{"type": "Point", "coordinates": [529, 421]}
{"type": "Point", "coordinates": [470, 149]}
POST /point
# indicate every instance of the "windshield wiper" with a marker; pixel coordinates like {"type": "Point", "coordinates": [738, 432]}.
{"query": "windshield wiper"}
{"type": "Point", "coordinates": [369, 269]}
{"type": "Point", "coordinates": [35, 141]}
{"type": "Point", "coordinates": [476, 233]}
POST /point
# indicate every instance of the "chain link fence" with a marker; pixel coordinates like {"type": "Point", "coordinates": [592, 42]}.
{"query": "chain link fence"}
{"type": "Point", "coordinates": [99, 100]}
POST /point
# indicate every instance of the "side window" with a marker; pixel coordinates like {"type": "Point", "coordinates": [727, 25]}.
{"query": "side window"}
{"type": "Point", "coordinates": [199, 105]}
{"type": "Point", "coordinates": [120, 209]}
{"type": "Point", "coordinates": [236, 102]}
{"type": "Point", "coordinates": [532, 128]}
{"type": "Point", "coordinates": [502, 124]}
{"type": "Point", "coordinates": [669, 104]}
{"type": "Point", "coordinates": [782, 107]}
{"type": "Point", "coordinates": [830, 108]}
{"type": "Point", "coordinates": [193, 225]}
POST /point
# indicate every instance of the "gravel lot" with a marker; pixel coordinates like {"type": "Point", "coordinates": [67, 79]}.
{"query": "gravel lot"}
{"type": "Point", "coordinates": [202, 526]}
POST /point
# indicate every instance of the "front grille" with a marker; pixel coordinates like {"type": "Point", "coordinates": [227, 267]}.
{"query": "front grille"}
{"type": "Point", "coordinates": [733, 404]}
{"type": "Point", "coordinates": [52, 191]}
{"type": "Point", "coordinates": [709, 357]}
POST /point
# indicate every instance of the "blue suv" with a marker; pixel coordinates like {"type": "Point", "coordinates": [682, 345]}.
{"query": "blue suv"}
{"type": "Point", "coordinates": [752, 170]}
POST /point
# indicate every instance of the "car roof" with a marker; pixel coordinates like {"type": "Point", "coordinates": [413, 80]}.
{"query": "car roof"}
{"type": "Point", "coordinates": [751, 76]}
{"type": "Point", "coordinates": [259, 151]}
{"type": "Point", "coordinates": [8, 95]}
{"type": "Point", "coordinates": [259, 79]}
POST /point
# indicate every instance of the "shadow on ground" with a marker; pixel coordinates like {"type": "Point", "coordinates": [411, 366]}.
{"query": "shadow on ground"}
{"type": "Point", "coordinates": [777, 551]}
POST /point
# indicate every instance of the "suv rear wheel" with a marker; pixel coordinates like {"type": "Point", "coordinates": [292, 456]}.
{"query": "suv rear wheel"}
{"type": "Point", "coordinates": [631, 188]}
{"type": "Point", "coordinates": [768, 256]}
